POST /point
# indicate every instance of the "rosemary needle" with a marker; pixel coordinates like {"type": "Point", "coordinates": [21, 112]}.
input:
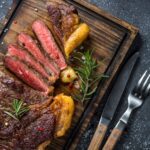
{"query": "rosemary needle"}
{"type": "Point", "coordinates": [18, 109]}
{"type": "Point", "coordinates": [87, 75]}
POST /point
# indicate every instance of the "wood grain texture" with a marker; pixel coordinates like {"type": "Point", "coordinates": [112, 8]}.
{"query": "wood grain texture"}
{"type": "Point", "coordinates": [113, 139]}
{"type": "Point", "coordinates": [111, 39]}
{"type": "Point", "coordinates": [98, 137]}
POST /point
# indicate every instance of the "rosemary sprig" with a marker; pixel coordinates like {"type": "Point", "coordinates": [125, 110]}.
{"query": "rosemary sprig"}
{"type": "Point", "coordinates": [87, 75]}
{"type": "Point", "coordinates": [18, 109]}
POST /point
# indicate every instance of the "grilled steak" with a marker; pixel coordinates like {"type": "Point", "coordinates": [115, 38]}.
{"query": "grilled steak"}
{"type": "Point", "coordinates": [48, 43]}
{"type": "Point", "coordinates": [27, 42]}
{"type": "Point", "coordinates": [37, 132]}
{"type": "Point", "coordinates": [31, 64]}
{"type": "Point", "coordinates": [64, 18]}
{"type": "Point", "coordinates": [35, 127]}
{"type": "Point", "coordinates": [26, 74]}
{"type": "Point", "coordinates": [15, 51]}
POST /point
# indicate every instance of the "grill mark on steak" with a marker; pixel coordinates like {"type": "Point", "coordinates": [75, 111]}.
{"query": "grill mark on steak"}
{"type": "Point", "coordinates": [27, 42]}
{"type": "Point", "coordinates": [48, 43]}
{"type": "Point", "coordinates": [15, 51]}
{"type": "Point", "coordinates": [27, 75]}
{"type": "Point", "coordinates": [35, 127]}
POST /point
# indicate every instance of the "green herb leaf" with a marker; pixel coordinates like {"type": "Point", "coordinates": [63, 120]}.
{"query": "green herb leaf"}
{"type": "Point", "coordinates": [87, 75]}
{"type": "Point", "coordinates": [10, 114]}
{"type": "Point", "coordinates": [18, 109]}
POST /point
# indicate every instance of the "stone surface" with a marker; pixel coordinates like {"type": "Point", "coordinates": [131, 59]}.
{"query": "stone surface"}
{"type": "Point", "coordinates": [137, 133]}
{"type": "Point", "coordinates": [137, 12]}
{"type": "Point", "coordinates": [5, 5]}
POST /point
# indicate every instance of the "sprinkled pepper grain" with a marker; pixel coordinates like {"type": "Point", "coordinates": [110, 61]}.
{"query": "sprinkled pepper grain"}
{"type": "Point", "coordinates": [68, 76]}
{"type": "Point", "coordinates": [15, 22]}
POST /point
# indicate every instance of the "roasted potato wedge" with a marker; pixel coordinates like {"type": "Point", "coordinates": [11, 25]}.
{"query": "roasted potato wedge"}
{"type": "Point", "coordinates": [63, 108]}
{"type": "Point", "coordinates": [76, 38]}
{"type": "Point", "coordinates": [43, 145]}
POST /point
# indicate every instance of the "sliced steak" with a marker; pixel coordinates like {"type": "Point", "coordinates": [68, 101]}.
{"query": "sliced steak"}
{"type": "Point", "coordinates": [27, 75]}
{"type": "Point", "coordinates": [27, 42]}
{"type": "Point", "coordinates": [64, 18]}
{"type": "Point", "coordinates": [15, 51]}
{"type": "Point", "coordinates": [48, 43]}
{"type": "Point", "coordinates": [35, 127]}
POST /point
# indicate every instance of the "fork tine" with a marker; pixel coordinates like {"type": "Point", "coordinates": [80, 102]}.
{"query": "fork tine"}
{"type": "Point", "coordinates": [147, 90]}
{"type": "Point", "coordinates": [144, 86]}
{"type": "Point", "coordinates": [139, 84]}
{"type": "Point", "coordinates": [141, 79]}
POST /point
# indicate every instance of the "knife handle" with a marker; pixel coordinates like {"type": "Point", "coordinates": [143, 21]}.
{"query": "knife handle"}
{"type": "Point", "coordinates": [98, 137]}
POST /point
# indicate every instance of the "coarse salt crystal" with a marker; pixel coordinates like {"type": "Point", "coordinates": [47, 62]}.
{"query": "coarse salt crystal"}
{"type": "Point", "coordinates": [6, 124]}
{"type": "Point", "coordinates": [5, 30]}
{"type": "Point", "coordinates": [36, 9]}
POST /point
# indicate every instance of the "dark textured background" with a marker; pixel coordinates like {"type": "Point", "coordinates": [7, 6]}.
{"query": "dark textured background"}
{"type": "Point", "coordinates": [137, 12]}
{"type": "Point", "coordinates": [137, 134]}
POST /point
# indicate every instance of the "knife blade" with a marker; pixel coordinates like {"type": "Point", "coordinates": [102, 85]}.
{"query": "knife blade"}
{"type": "Point", "coordinates": [112, 102]}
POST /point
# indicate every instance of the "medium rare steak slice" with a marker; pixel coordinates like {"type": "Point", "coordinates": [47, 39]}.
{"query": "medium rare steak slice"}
{"type": "Point", "coordinates": [27, 42]}
{"type": "Point", "coordinates": [27, 75]}
{"type": "Point", "coordinates": [48, 43]}
{"type": "Point", "coordinates": [35, 127]}
{"type": "Point", "coordinates": [15, 51]}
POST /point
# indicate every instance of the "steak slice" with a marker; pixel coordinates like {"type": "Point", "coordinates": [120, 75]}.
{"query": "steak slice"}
{"type": "Point", "coordinates": [64, 18]}
{"type": "Point", "coordinates": [27, 42]}
{"type": "Point", "coordinates": [48, 43]}
{"type": "Point", "coordinates": [35, 127]}
{"type": "Point", "coordinates": [22, 55]}
{"type": "Point", "coordinates": [27, 75]}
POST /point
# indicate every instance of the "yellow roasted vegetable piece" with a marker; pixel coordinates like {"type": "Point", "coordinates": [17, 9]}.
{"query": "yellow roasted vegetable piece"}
{"type": "Point", "coordinates": [43, 145]}
{"type": "Point", "coordinates": [63, 109]}
{"type": "Point", "coordinates": [76, 38]}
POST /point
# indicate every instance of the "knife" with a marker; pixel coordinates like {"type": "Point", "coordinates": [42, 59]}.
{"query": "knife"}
{"type": "Point", "coordinates": [112, 103]}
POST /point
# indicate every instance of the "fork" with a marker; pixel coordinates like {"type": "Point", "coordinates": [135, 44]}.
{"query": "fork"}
{"type": "Point", "coordinates": [135, 100]}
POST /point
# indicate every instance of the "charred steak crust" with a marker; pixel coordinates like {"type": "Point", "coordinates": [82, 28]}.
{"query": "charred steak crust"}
{"type": "Point", "coordinates": [64, 18]}
{"type": "Point", "coordinates": [35, 127]}
{"type": "Point", "coordinates": [37, 132]}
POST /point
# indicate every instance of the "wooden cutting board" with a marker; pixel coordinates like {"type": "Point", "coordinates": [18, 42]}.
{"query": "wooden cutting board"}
{"type": "Point", "coordinates": [110, 37]}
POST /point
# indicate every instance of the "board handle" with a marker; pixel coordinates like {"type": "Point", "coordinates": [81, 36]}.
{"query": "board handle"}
{"type": "Point", "coordinates": [98, 137]}
{"type": "Point", "coordinates": [113, 139]}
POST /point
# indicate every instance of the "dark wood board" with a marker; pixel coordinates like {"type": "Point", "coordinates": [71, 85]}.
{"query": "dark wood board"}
{"type": "Point", "coordinates": [110, 37]}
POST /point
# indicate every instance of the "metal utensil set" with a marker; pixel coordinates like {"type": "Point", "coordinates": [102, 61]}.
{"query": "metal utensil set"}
{"type": "Point", "coordinates": [135, 100]}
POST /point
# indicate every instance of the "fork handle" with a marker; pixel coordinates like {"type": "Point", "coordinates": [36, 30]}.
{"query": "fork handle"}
{"type": "Point", "coordinates": [114, 136]}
